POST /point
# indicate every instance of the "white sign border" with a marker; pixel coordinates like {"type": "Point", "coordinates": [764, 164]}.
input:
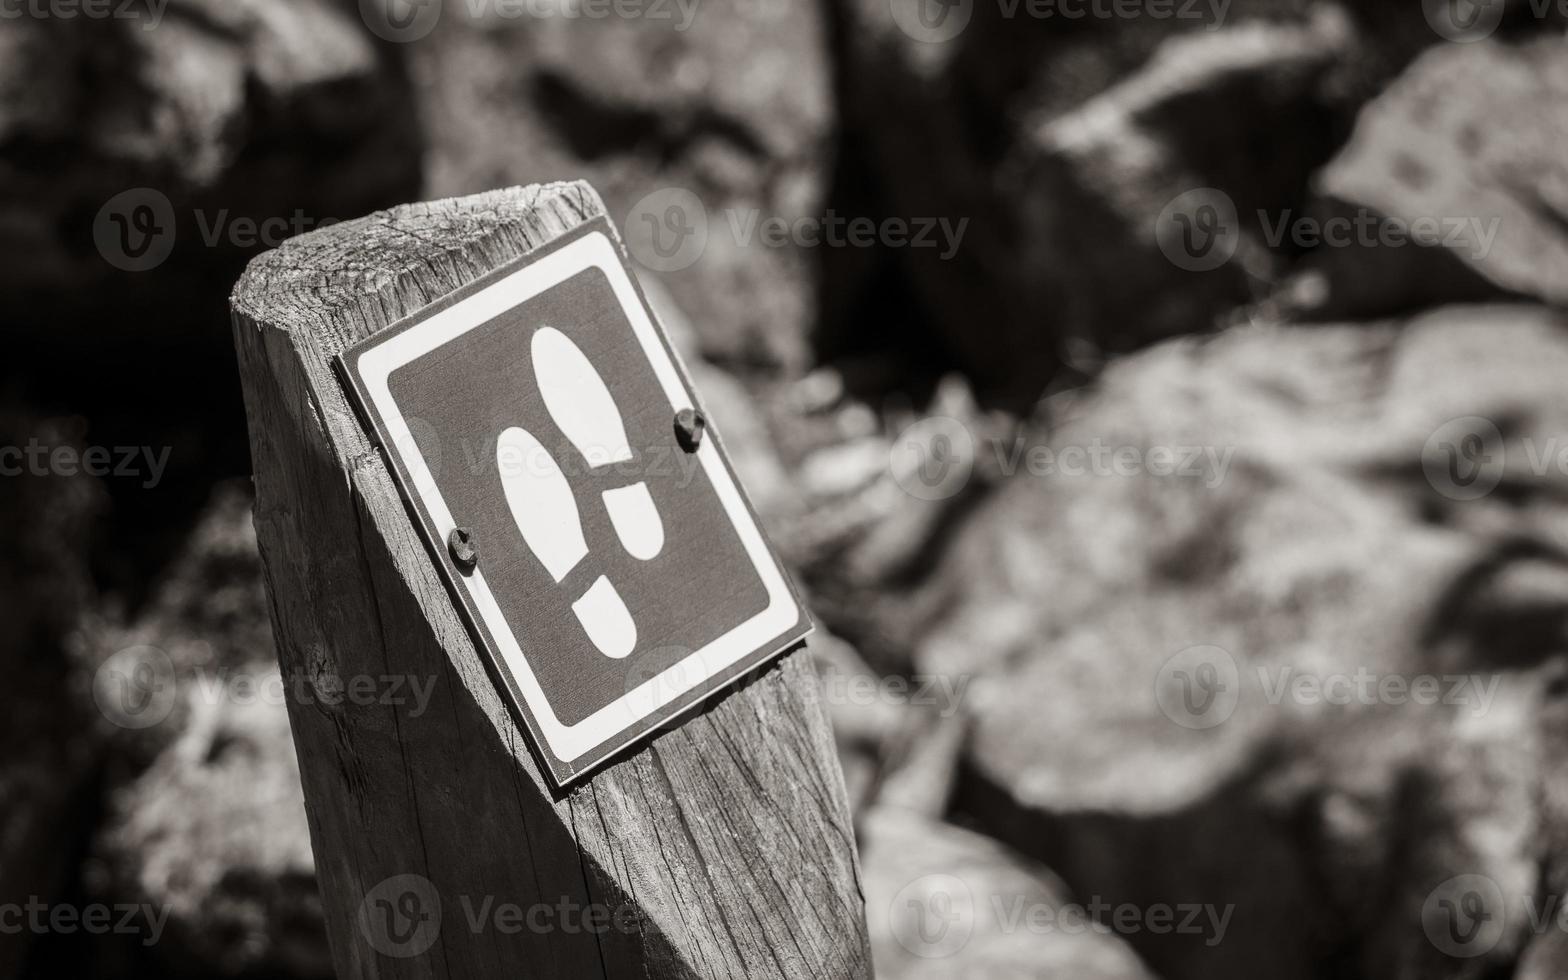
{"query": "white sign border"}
{"type": "Point", "coordinates": [569, 743]}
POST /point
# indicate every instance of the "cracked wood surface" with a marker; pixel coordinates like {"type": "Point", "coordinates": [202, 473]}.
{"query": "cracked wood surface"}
{"type": "Point", "coordinates": [726, 844]}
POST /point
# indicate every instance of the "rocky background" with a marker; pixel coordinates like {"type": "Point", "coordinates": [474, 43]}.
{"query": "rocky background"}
{"type": "Point", "coordinates": [1192, 578]}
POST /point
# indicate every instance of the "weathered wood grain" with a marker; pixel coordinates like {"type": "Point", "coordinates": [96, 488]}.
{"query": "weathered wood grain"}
{"type": "Point", "coordinates": [728, 838]}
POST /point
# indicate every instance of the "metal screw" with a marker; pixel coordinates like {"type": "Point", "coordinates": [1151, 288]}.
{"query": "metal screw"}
{"type": "Point", "coordinates": [464, 548]}
{"type": "Point", "coordinates": [689, 426]}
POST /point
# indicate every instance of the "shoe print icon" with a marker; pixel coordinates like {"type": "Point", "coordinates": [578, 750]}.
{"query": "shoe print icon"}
{"type": "Point", "coordinates": [541, 498]}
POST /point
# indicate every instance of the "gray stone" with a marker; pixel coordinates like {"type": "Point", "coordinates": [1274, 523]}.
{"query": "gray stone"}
{"type": "Point", "coordinates": [206, 816]}
{"type": "Point", "coordinates": [225, 112]}
{"type": "Point", "coordinates": [733, 107]}
{"type": "Point", "coordinates": [944, 902]}
{"type": "Point", "coordinates": [1169, 704]}
{"type": "Point", "coordinates": [1464, 150]}
{"type": "Point", "coordinates": [1062, 144]}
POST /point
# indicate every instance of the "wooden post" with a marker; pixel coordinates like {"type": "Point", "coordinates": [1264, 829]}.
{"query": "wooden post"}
{"type": "Point", "coordinates": [723, 849]}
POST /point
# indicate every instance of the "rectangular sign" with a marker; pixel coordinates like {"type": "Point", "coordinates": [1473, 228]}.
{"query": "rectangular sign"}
{"type": "Point", "coordinates": [551, 448]}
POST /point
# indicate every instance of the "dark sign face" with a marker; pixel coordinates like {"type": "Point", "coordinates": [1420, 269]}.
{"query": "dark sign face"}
{"type": "Point", "coordinates": [621, 576]}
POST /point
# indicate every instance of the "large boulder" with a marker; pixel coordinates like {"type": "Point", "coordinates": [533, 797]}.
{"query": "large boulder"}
{"type": "Point", "coordinates": [1075, 146]}
{"type": "Point", "coordinates": [205, 813]}
{"type": "Point", "coordinates": [706, 117]}
{"type": "Point", "coordinates": [134, 150]}
{"type": "Point", "coordinates": [1274, 621]}
{"type": "Point", "coordinates": [1465, 151]}
{"type": "Point", "coordinates": [944, 902]}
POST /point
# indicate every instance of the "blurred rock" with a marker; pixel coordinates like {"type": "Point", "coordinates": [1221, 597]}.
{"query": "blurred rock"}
{"type": "Point", "coordinates": [921, 768]}
{"type": "Point", "coordinates": [136, 155]}
{"type": "Point", "coordinates": [1062, 142]}
{"type": "Point", "coordinates": [214, 835]}
{"type": "Point", "coordinates": [1451, 152]}
{"type": "Point", "coordinates": [1292, 506]}
{"type": "Point", "coordinates": [1176, 136]}
{"type": "Point", "coordinates": [206, 815]}
{"type": "Point", "coordinates": [208, 618]}
{"type": "Point", "coordinates": [737, 413]}
{"type": "Point", "coordinates": [731, 106]}
{"type": "Point", "coordinates": [942, 902]}
{"type": "Point", "coordinates": [47, 755]}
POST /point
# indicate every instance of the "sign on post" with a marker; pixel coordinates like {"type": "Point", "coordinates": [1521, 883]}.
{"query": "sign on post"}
{"type": "Point", "coordinates": [545, 435]}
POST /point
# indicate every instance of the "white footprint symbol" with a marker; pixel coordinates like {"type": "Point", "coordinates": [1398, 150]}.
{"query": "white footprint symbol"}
{"type": "Point", "coordinates": [541, 499]}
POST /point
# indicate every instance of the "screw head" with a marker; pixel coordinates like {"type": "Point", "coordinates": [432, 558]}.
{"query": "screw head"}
{"type": "Point", "coordinates": [464, 547]}
{"type": "Point", "coordinates": [689, 426]}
